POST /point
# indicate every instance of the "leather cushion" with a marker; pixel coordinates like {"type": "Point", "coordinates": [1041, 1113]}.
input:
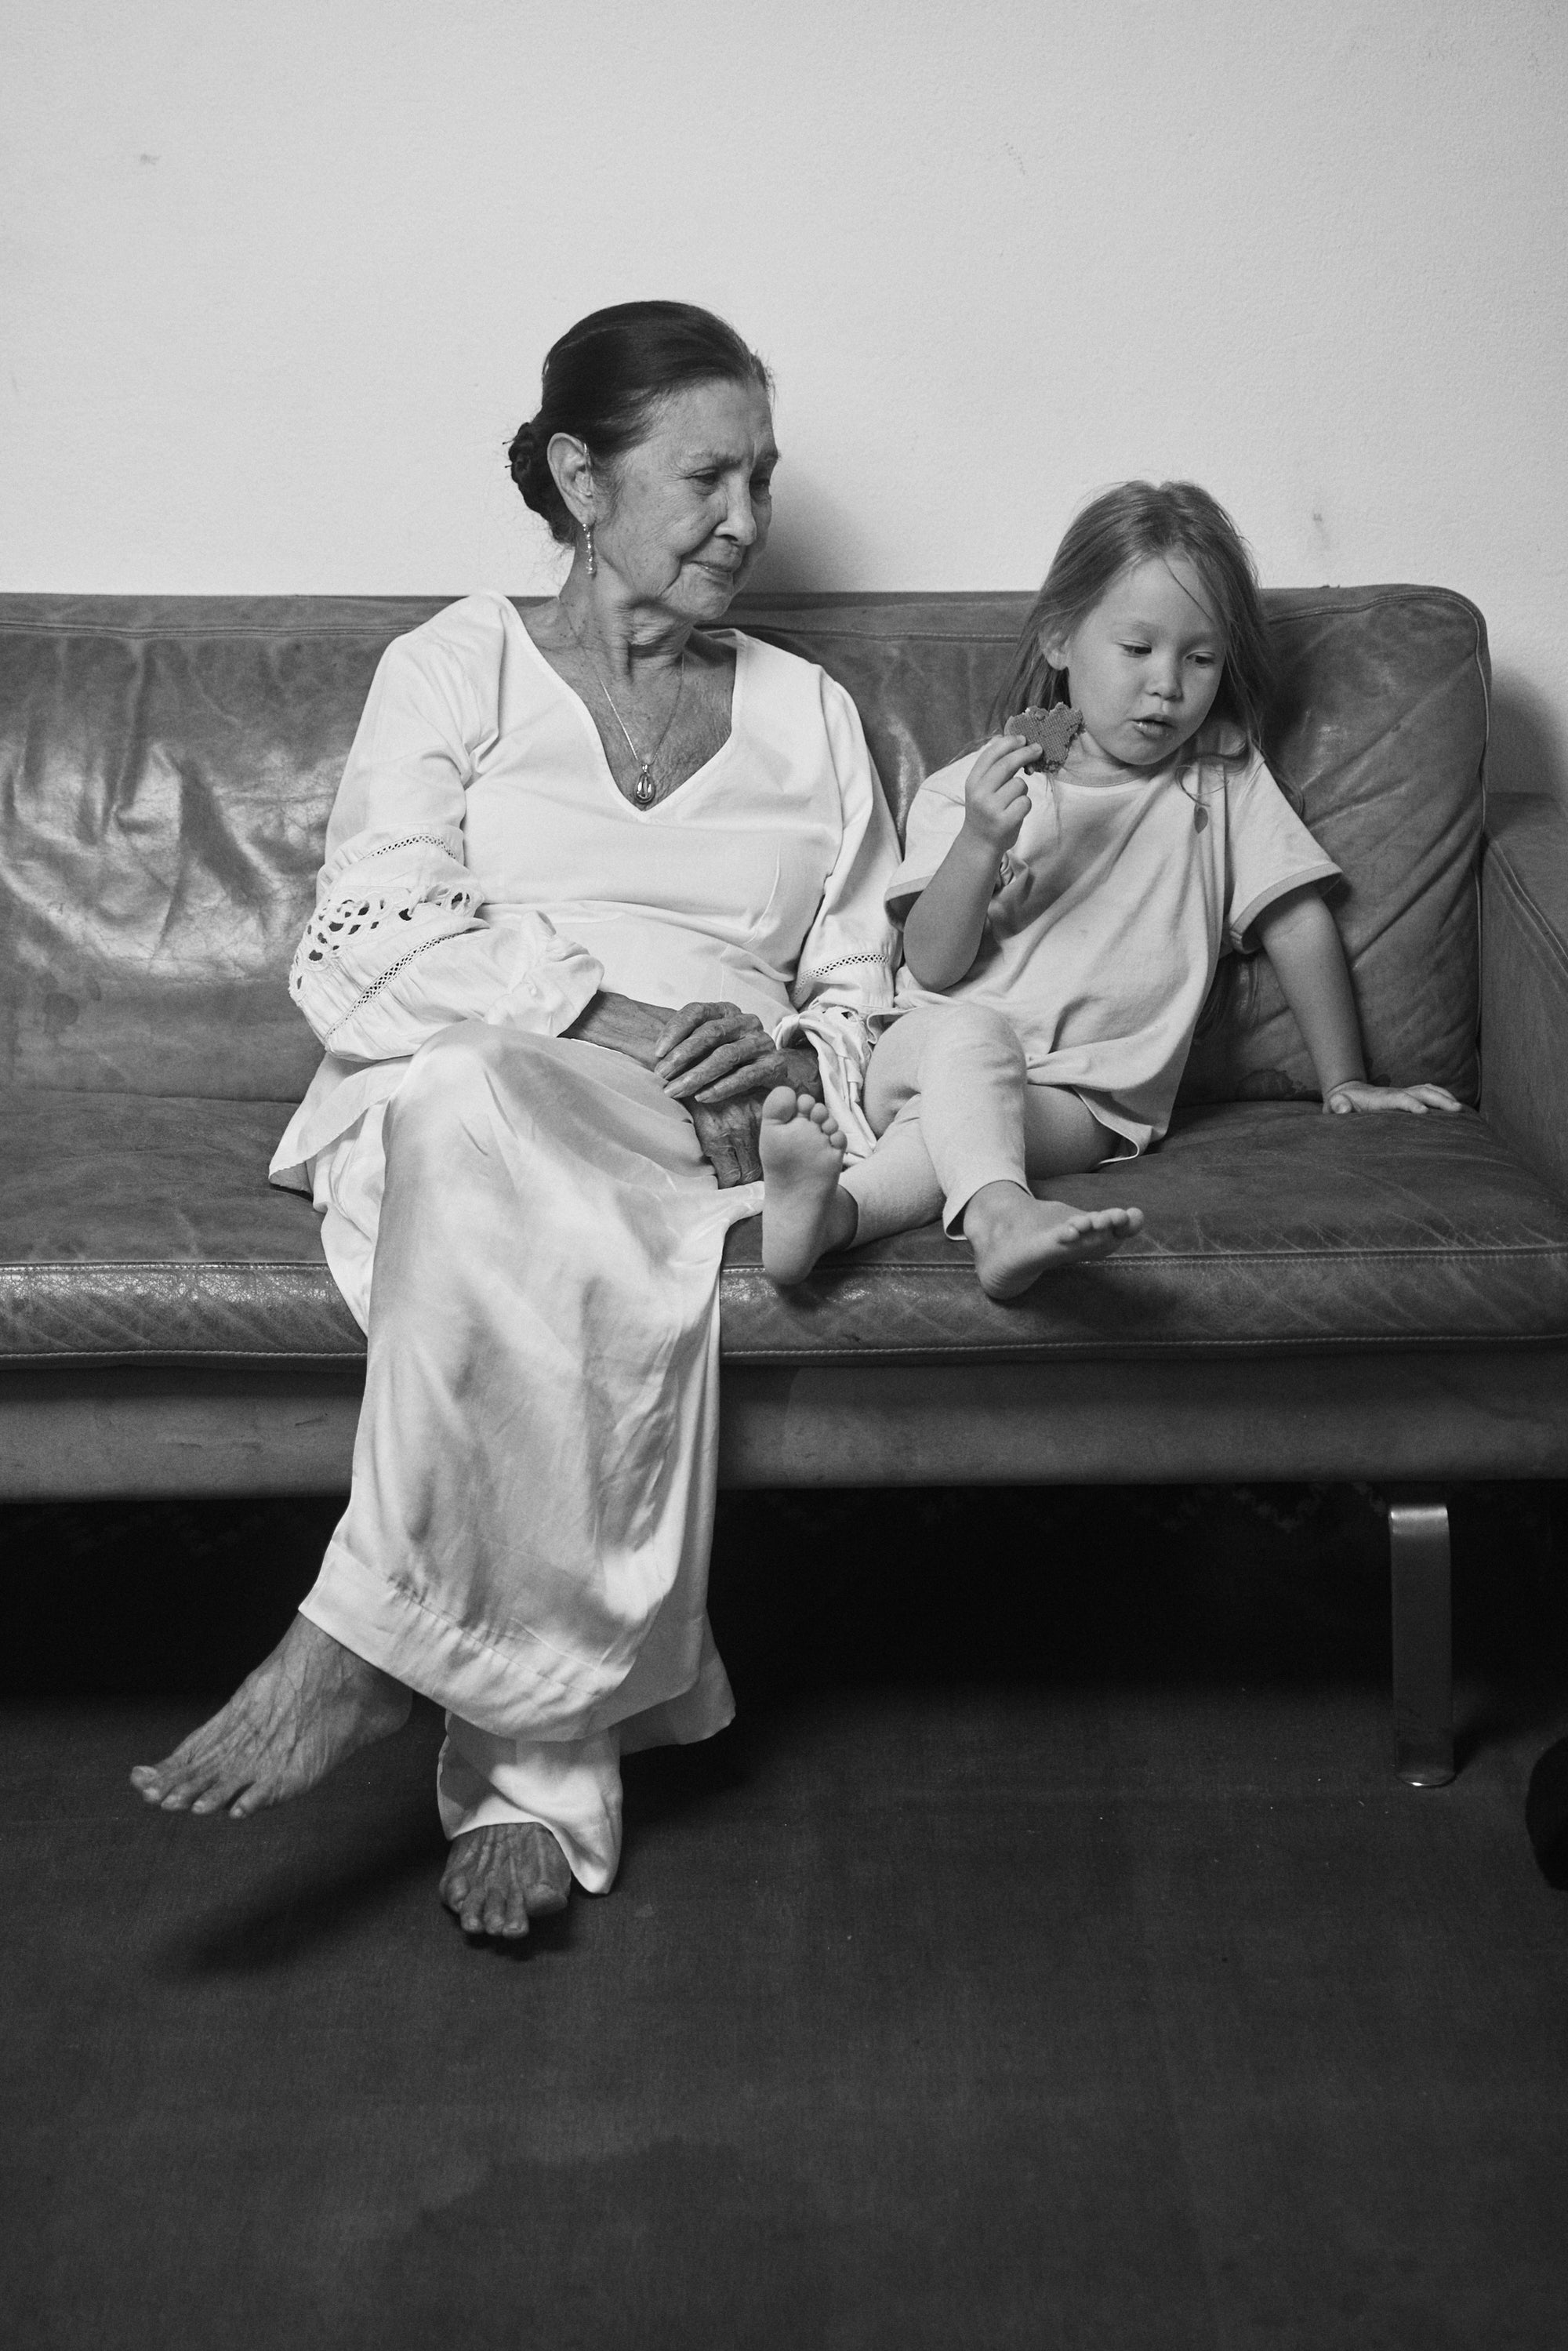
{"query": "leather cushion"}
{"type": "Point", "coordinates": [1269, 1225]}
{"type": "Point", "coordinates": [134, 1228]}
{"type": "Point", "coordinates": [167, 765]}
{"type": "Point", "coordinates": [1524, 981]}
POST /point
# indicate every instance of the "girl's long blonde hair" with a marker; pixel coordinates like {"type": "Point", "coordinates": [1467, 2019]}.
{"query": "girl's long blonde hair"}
{"type": "Point", "coordinates": [1130, 525]}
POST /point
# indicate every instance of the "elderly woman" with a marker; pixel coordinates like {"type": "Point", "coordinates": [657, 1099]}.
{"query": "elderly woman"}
{"type": "Point", "coordinates": [600, 877]}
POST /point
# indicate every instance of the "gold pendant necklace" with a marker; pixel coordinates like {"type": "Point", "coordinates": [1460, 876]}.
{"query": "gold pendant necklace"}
{"type": "Point", "coordinates": [645, 791]}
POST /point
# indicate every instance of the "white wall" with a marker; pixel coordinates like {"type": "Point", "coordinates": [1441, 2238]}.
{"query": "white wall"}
{"type": "Point", "coordinates": [278, 276]}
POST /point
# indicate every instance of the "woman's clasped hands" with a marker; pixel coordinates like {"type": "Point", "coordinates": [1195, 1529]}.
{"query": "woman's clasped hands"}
{"type": "Point", "coordinates": [721, 1064]}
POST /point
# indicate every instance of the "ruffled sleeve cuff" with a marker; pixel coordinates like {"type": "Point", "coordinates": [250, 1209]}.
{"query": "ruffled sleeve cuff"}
{"type": "Point", "coordinates": [554, 988]}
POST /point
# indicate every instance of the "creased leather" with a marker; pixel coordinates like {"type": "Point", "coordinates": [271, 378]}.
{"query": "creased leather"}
{"type": "Point", "coordinates": [167, 765]}
{"type": "Point", "coordinates": [1524, 981]}
{"type": "Point", "coordinates": [1270, 1226]}
{"type": "Point", "coordinates": [135, 1229]}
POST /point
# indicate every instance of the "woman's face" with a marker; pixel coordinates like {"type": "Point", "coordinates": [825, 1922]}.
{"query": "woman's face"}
{"type": "Point", "coordinates": [688, 507]}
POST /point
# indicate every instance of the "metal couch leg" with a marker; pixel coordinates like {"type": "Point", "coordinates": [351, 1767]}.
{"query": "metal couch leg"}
{"type": "Point", "coordinates": [1422, 1638]}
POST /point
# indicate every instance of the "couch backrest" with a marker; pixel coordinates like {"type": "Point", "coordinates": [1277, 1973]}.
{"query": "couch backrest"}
{"type": "Point", "coordinates": [167, 765]}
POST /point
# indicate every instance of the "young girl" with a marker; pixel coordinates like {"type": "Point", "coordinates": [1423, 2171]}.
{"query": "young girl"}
{"type": "Point", "coordinates": [1062, 926]}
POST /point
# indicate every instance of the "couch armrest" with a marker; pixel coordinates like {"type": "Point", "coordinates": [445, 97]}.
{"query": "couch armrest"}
{"type": "Point", "coordinates": [1524, 979]}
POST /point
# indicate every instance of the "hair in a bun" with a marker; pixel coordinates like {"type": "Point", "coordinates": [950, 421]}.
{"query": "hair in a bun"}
{"type": "Point", "coordinates": [603, 379]}
{"type": "Point", "coordinates": [529, 462]}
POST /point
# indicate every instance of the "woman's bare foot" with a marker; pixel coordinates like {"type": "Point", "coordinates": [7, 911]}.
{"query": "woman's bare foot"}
{"type": "Point", "coordinates": [804, 1214]}
{"type": "Point", "coordinates": [304, 1710]}
{"type": "Point", "coordinates": [498, 1878]}
{"type": "Point", "coordinates": [1017, 1238]}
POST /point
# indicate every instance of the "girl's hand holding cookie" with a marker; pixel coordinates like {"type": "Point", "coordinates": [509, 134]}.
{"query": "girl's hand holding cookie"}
{"type": "Point", "coordinates": [995, 793]}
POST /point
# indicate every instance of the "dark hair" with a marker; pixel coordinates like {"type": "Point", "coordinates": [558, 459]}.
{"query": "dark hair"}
{"type": "Point", "coordinates": [603, 380]}
{"type": "Point", "coordinates": [1129, 525]}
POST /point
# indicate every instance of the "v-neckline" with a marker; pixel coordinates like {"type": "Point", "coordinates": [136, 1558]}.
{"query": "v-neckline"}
{"type": "Point", "coordinates": [736, 694]}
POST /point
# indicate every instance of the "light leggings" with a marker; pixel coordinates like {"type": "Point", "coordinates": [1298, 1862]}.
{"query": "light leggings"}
{"type": "Point", "coordinates": [948, 1095]}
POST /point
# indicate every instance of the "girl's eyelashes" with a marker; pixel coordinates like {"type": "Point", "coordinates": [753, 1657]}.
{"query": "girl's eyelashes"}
{"type": "Point", "coordinates": [1204, 659]}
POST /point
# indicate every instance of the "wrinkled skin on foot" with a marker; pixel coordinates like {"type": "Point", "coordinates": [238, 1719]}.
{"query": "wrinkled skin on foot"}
{"type": "Point", "coordinates": [306, 1707]}
{"type": "Point", "coordinates": [498, 1878]}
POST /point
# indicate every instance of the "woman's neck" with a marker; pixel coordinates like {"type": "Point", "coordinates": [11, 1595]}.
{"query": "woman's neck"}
{"type": "Point", "coordinates": [631, 642]}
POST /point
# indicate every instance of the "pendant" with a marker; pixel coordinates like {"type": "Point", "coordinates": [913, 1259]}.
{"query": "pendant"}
{"type": "Point", "coordinates": [644, 792]}
{"type": "Point", "coordinates": [1200, 818]}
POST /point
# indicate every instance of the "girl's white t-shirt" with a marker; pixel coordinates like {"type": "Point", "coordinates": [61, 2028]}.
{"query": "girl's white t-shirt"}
{"type": "Point", "coordinates": [1101, 945]}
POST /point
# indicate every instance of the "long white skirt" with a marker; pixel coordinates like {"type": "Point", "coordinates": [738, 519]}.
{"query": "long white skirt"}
{"type": "Point", "coordinates": [532, 1240]}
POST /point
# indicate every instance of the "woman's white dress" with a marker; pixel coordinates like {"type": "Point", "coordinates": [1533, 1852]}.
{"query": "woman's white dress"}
{"type": "Point", "coordinates": [523, 1222]}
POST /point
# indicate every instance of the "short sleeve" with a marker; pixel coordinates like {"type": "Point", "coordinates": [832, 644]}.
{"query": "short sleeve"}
{"type": "Point", "coordinates": [1268, 852]}
{"type": "Point", "coordinates": [935, 821]}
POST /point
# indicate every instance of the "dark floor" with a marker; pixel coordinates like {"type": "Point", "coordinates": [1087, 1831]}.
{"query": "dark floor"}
{"type": "Point", "coordinates": [1048, 1956]}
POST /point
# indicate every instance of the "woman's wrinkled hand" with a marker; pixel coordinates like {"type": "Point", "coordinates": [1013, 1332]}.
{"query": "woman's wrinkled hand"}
{"type": "Point", "coordinates": [727, 1135]}
{"type": "Point", "coordinates": [717, 1054]}
{"type": "Point", "coordinates": [1358, 1095]}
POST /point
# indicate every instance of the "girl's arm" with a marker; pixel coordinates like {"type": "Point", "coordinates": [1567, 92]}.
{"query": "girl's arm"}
{"type": "Point", "coordinates": [1300, 939]}
{"type": "Point", "coordinates": [945, 926]}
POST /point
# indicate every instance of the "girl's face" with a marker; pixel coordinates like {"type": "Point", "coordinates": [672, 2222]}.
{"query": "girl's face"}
{"type": "Point", "coordinates": [1145, 665]}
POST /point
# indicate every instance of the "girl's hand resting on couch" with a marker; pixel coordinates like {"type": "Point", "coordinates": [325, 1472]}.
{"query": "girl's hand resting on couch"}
{"type": "Point", "coordinates": [1357, 1093]}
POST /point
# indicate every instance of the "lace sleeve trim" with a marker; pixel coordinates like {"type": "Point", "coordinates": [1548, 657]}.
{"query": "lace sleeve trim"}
{"type": "Point", "coordinates": [838, 963]}
{"type": "Point", "coordinates": [376, 986]}
{"type": "Point", "coordinates": [342, 918]}
{"type": "Point", "coordinates": [407, 840]}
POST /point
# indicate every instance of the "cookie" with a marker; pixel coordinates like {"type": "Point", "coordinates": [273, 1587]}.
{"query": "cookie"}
{"type": "Point", "coordinates": [1053, 729]}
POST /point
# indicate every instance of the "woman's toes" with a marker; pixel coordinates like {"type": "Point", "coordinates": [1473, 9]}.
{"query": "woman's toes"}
{"type": "Point", "coordinates": [550, 1882]}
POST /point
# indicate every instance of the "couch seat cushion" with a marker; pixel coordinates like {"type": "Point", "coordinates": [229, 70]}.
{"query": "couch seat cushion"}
{"type": "Point", "coordinates": [138, 1228]}
{"type": "Point", "coordinates": [1269, 1225]}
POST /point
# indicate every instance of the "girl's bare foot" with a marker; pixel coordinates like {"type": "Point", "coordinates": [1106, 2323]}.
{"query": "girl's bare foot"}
{"type": "Point", "coordinates": [804, 1214]}
{"type": "Point", "coordinates": [498, 1878]}
{"type": "Point", "coordinates": [304, 1710]}
{"type": "Point", "coordinates": [1017, 1238]}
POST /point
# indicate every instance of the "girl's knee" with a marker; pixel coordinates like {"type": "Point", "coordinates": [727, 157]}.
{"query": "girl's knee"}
{"type": "Point", "coordinates": [979, 1036]}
